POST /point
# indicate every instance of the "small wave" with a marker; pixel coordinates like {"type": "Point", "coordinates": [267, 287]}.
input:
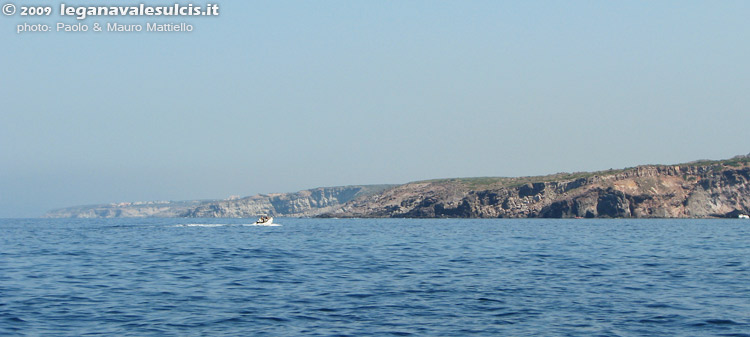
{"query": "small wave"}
{"type": "Point", "coordinates": [660, 319]}
{"type": "Point", "coordinates": [658, 305]}
{"type": "Point", "coordinates": [229, 320]}
{"type": "Point", "coordinates": [271, 318]}
{"type": "Point", "coordinates": [721, 322]}
{"type": "Point", "coordinates": [485, 299]}
{"type": "Point", "coordinates": [15, 319]}
{"type": "Point", "coordinates": [306, 318]}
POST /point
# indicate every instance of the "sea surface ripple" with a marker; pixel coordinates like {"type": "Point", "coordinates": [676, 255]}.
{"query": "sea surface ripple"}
{"type": "Point", "coordinates": [364, 277]}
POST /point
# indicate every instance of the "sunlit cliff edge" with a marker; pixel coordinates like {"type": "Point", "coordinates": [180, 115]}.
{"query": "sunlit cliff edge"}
{"type": "Point", "coordinates": [700, 189]}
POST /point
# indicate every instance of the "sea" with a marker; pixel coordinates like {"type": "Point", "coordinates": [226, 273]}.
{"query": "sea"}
{"type": "Point", "coordinates": [374, 277]}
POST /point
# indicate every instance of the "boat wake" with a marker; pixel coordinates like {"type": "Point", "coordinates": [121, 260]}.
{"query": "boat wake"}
{"type": "Point", "coordinates": [203, 225]}
{"type": "Point", "coordinates": [226, 224]}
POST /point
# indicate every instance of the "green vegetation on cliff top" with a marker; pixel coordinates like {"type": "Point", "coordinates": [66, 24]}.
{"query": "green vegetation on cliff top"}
{"type": "Point", "coordinates": [509, 182]}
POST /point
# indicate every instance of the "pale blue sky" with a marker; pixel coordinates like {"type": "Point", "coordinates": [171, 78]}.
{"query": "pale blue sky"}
{"type": "Point", "coordinates": [278, 96]}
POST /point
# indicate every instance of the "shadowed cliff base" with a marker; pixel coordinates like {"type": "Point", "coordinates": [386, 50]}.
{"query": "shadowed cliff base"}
{"type": "Point", "coordinates": [700, 189]}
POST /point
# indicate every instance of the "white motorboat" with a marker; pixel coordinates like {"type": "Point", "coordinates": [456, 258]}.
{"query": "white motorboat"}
{"type": "Point", "coordinates": [744, 216]}
{"type": "Point", "coordinates": [264, 220]}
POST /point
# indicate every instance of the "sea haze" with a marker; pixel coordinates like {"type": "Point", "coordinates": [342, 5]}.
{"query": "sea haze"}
{"type": "Point", "coordinates": [359, 277]}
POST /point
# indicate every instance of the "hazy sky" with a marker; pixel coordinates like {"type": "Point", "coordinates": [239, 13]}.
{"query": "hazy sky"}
{"type": "Point", "coordinates": [279, 96]}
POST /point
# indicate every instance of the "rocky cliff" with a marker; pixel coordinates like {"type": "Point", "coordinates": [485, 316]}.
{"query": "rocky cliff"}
{"type": "Point", "coordinates": [693, 190]}
{"type": "Point", "coordinates": [303, 203]}
{"type": "Point", "coordinates": [696, 190]}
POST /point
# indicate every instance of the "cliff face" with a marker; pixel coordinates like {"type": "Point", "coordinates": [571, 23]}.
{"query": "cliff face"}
{"type": "Point", "coordinates": [711, 190]}
{"type": "Point", "coordinates": [700, 189]}
{"type": "Point", "coordinates": [303, 203]}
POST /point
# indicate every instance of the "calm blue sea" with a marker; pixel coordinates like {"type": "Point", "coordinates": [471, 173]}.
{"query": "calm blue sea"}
{"type": "Point", "coordinates": [360, 277]}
